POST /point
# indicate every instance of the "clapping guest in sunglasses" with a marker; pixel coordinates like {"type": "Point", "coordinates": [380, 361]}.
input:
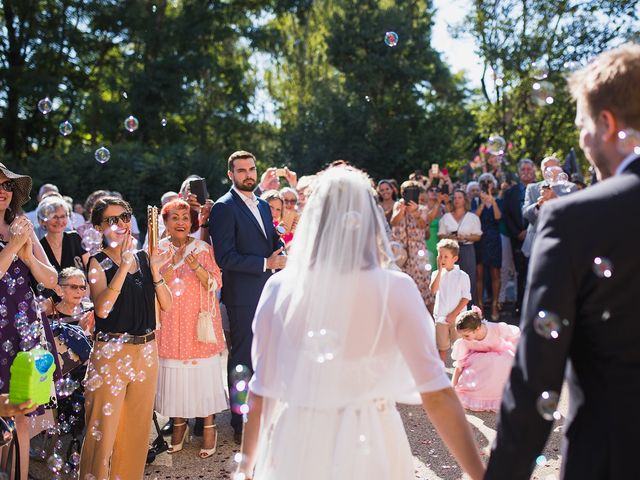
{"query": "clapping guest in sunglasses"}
{"type": "Point", "coordinates": [123, 368]}
{"type": "Point", "coordinates": [63, 248]}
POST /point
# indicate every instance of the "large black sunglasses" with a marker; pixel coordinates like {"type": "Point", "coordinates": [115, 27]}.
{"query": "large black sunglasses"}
{"type": "Point", "coordinates": [113, 220]}
{"type": "Point", "coordinates": [8, 186]}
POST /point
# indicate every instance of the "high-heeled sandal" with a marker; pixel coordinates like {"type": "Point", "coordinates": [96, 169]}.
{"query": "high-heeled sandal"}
{"type": "Point", "coordinates": [185, 438]}
{"type": "Point", "coordinates": [206, 453]}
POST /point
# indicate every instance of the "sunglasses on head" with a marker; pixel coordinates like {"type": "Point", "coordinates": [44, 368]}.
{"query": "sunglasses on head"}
{"type": "Point", "coordinates": [113, 220]}
{"type": "Point", "coordinates": [8, 186]}
{"type": "Point", "coordinates": [74, 287]}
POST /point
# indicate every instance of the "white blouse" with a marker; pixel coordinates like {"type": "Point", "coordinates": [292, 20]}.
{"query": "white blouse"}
{"type": "Point", "coordinates": [469, 225]}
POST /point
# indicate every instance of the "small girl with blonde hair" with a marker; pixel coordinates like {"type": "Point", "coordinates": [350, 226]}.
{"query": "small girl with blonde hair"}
{"type": "Point", "coordinates": [482, 359]}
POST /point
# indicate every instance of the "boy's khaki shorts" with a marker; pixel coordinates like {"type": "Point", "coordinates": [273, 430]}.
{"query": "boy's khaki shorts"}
{"type": "Point", "coordinates": [446, 334]}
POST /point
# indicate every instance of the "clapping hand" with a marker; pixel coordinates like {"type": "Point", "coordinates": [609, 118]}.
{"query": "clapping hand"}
{"type": "Point", "coordinates": [126, 250]}
{"type": "Point", "coordinates": [20, 230]}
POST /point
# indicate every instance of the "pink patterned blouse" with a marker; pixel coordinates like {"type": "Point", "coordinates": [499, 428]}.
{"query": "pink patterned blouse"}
{"type": "Point", "coordinates": [177, 335]}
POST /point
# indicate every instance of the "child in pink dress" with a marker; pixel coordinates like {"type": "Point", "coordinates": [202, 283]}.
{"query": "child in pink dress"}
{"type": "Point", "coordinates": [483, 359]}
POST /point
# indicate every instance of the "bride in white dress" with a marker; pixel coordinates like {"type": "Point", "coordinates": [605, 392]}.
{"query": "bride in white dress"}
{"type": "Point", "coordinates": [340, 336]}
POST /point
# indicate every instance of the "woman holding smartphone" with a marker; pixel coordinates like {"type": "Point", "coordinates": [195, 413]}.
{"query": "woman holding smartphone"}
{"type": "Point", "coordinates": [410, 224]}
{"type": "Point", "coordinates": [123, 368]}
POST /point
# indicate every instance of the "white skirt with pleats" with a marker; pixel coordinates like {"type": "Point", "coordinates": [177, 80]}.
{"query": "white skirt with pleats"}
{"type": "Point", "coordinates": [190, 388]}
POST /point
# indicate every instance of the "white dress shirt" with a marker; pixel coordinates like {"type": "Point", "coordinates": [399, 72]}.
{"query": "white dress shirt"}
{"type": "Point", "coordinates": [454, 286]}
{"type": "Point", "coordinates": [252, 203]}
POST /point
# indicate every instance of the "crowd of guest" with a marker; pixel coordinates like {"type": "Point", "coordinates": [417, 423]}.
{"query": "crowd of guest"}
{"type": "Point", "coordinates": [171, 360]}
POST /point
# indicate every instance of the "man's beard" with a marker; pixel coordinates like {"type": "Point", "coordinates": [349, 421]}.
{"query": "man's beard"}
{"type": "Point", "coordinates": [245, 187]}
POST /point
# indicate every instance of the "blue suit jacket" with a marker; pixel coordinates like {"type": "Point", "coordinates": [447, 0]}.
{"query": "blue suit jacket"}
{"type": "Point", "coordinates": [240, 248]}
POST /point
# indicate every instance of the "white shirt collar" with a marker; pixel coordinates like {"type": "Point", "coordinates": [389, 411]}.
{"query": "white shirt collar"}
{"type": "Point", "coordinates": [253, 200]}
{"type": "Point", "coordinates": [626, 162]}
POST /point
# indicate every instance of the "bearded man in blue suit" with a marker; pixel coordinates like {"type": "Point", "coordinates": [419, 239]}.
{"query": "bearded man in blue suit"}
{"type": "Point", "coordinates": [247, 249]}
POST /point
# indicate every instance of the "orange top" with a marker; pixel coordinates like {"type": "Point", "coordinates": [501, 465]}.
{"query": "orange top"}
{"type": "Point", "coordinates": [177, 336]}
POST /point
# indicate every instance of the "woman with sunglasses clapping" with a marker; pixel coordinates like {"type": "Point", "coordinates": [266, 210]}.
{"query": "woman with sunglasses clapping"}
{"type": "Point", "coordinates": [122, 374]}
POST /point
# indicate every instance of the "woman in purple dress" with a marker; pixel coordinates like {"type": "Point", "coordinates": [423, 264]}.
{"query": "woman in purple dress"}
{"type": "Point", "coordinates": [21, 260]}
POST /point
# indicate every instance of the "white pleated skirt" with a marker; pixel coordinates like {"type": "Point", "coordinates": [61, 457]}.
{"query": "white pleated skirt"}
{"type": "Point", "coordinates": [190, 388]}
{"type": "Point", "coordinates": [360, 442]}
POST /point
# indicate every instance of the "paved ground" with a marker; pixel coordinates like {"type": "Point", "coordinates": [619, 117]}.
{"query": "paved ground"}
{"type": "Point", "coordinates": [431, 458]}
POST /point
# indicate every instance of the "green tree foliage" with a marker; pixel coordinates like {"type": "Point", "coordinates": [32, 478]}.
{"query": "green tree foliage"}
{"type": "Point", "coordinates": [515, 38]}
{"type": "Point", "coordinates": [185, 61]}
{"type": "Point", "coordinates": [343, 93]}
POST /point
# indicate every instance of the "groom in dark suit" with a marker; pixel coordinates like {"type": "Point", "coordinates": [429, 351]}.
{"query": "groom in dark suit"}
{"type": "Point", "coordinates": [246, 248]}
{"type": "Point", "coordinates": [585, 269]}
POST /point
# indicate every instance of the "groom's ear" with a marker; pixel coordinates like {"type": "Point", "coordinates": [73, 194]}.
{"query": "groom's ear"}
{"type": "Point", "coordinates": [609, 126]}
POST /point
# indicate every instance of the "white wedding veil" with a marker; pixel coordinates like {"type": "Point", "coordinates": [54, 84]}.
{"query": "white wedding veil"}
{"type": "Point", "coordinates": [328, 343]}
{"type": "Point", "coordinates": [325, 351]}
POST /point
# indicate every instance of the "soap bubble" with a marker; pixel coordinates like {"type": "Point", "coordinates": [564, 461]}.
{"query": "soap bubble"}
{"type": "Point", "coordinates": [551, 174]}
{"type": "Point", "coordinates": [496, 145]}
{"type": "Point", "coordinates": [321, 345]}
{"type": "Point", "coordinates": [55, 463]}
{"type": "Point", "coordinates": [629, 142]}
{"type": "Point", "coordinates": [239, 377]}
{"type": "Point", "coordinates": [39, 304]}
{"type": "Point", "coordinates": [163, 122]}
{"type": "Point", "coordinates": [547, 405]}
{"type": "Point", "coordinates": [66, 386]}
{"type": "Point", "coordinates": [602, 267]}
{"type": "Point", "coordinates": [539, 69]}
{"type": "Point", "coordinates": [106, 264]}
{"type": "Point", "coordinates": [65, 128]}
{"type": "Point", "coordinates": [391, 39]}
{"type": "Point", "coordinates": [45, 105]}
{"type": "Point", "coordinates": [102, 155]}
{"type": "Point", "coordinates": [399, 252]}
{"type": "Point", "coordinates": [543, 93]}
{"type": "Point", "coordinates": [107, 409]}
{"type": "Point", "coordinates": [131, 123]}
{"type": "Point", "coordinates": [178, 286]}
{"type": "Point", "coordinates": [547, 324]}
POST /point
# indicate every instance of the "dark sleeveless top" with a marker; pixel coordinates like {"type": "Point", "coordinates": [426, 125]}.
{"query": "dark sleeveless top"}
{"type": "Point", "coordinates": [134, 311]}
{"type": "Point", "coordinates": [72, 251]}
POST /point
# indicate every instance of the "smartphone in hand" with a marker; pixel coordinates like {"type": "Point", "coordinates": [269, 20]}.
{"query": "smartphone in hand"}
{"type": "Point", "coordinates": [199, 188]}
{"type": "Point", "coordinates": [411, 194]}
{"type": "Point", "coordinates": [280, 172]}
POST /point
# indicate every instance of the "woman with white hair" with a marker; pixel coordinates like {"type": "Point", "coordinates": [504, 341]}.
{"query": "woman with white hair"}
{"type": "Point", "coordinates": [340, 337]}
{"type": "Point", "coordinates": [63, 248]}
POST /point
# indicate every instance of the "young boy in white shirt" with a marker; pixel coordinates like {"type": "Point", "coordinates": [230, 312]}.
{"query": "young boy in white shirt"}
{"type": "Point", "coordinates": [452, 289]}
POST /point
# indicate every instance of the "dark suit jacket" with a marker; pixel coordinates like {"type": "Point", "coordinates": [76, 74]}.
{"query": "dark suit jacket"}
{"type": "Point", "coordinates": [512, 208]}
{"type": "Point", "coordinates": [600, 340]}
{"type": "Point", "coordinates": [240, 248]}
